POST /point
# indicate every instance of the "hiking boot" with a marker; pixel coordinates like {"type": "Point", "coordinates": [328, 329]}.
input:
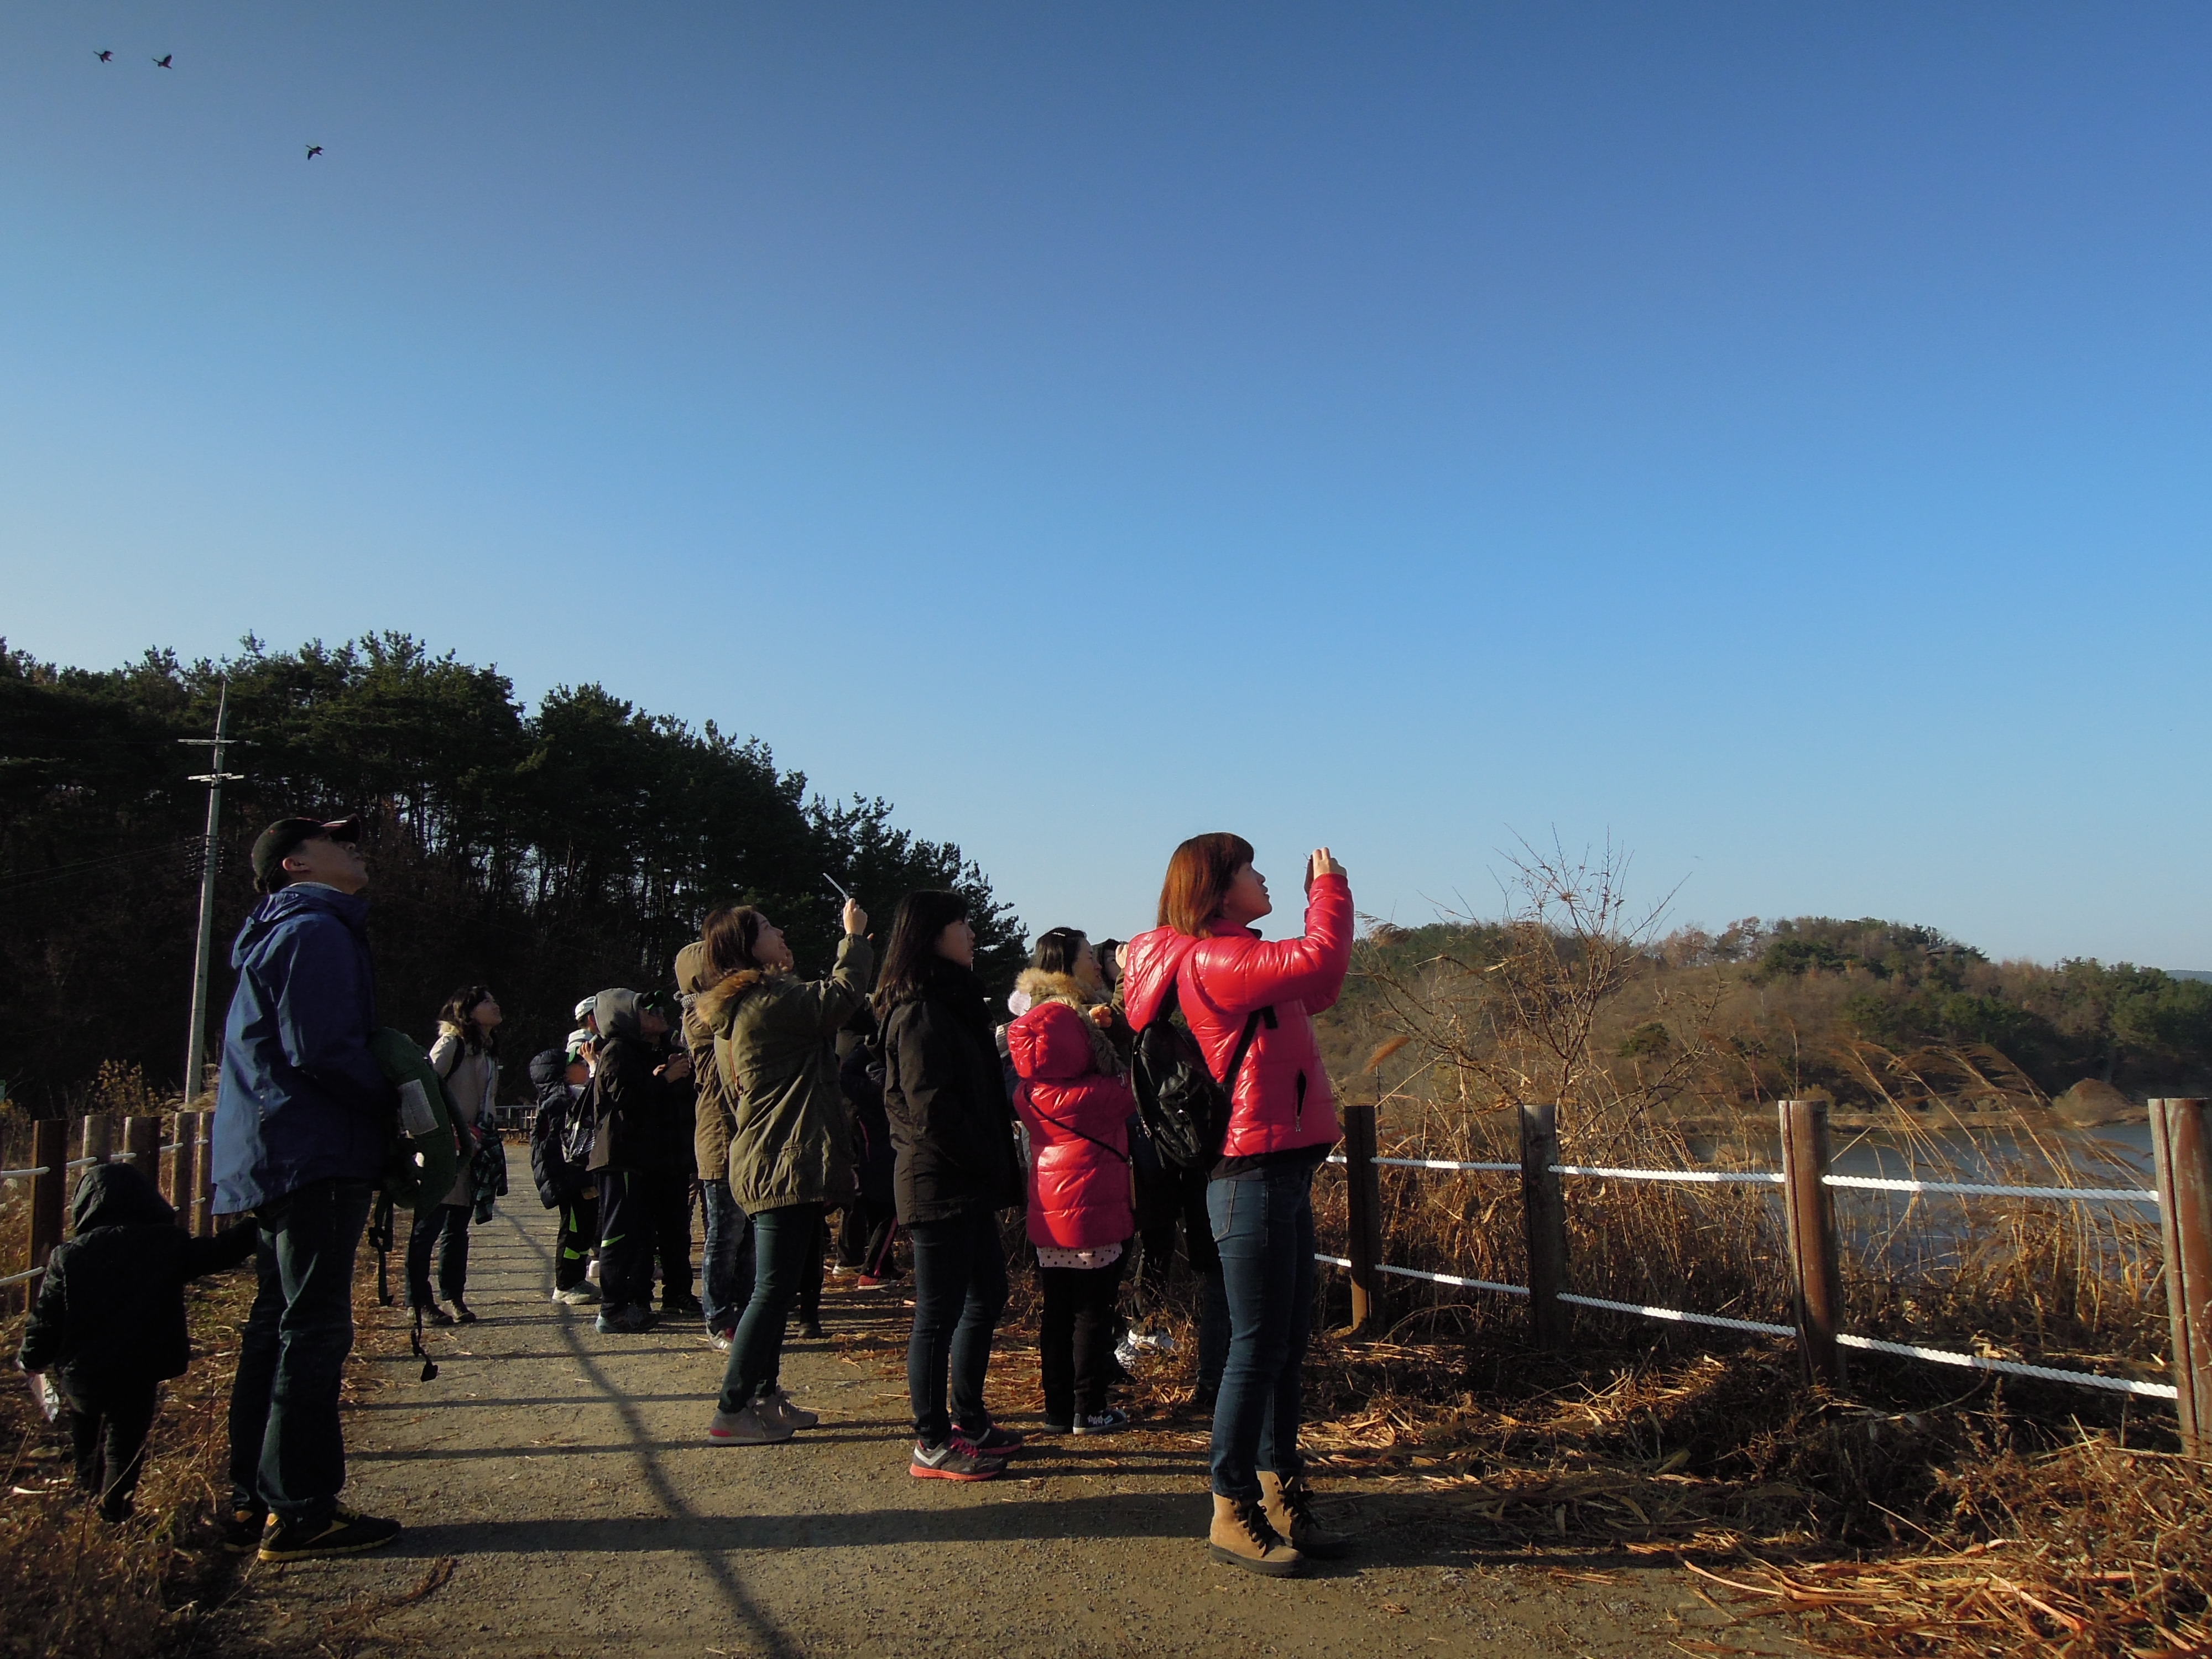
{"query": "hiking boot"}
{"type": "Point", "coordinates": [583, 1294]}
{"type": "Point", "coordinates": [1108, 1421]}
{"type": "Point", "coordinates": [461, 1314]}
{"type": "Point", "coordinates": [749, 1427]}
{"type": "Point", "coordinates": [347, 1532]}
{"type": "Point", "coordinates": [955, 1460]}
{"type": "Point", "coordinates": [994, 1442]}
{"type": "Point", "coordinates": [1243, 1538]}
{"type": "Point", "coordinates": [433, 1315]}
{"type": "Point", "coordinates": [1289, 1507]}
{"type": "Point", "coordinates": [243, 1527]}
{"type": "Point", "coordinates": [787, 1410]}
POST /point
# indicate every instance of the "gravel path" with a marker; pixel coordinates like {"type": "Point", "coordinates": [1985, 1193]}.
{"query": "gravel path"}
{"type": "Point", "coordinates": [559, 1499]}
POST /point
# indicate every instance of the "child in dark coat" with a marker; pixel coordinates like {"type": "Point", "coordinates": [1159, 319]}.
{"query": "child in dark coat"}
{"type": "Point", "coordinates": [109, 1324]}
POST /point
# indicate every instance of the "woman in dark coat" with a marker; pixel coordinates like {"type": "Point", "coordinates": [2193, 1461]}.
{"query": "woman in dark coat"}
{"type": "Point", "coordinates": [953, 1128]}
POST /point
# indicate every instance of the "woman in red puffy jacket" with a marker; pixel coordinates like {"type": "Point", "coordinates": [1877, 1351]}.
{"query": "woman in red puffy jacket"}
{"type": "Point", "coordinates": [1076, 1106]}
{"type": "Point", "coordinates": [1241, 994]}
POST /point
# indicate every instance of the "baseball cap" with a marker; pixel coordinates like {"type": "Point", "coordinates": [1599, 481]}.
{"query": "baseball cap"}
{"type": "Point", "coordinates": [574, 1049]}
{"type": "Point", "coordinates": [278, 842]}
{"type": "Point", "coordinates": [582, 1011]}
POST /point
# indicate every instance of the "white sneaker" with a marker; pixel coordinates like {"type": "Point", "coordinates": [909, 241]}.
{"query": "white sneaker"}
{"type": "Point", "coordinates": [745, 1428]}
{"type": "Point", "coordinates": [788, 1410]}
{"type": "Point", "coordinates": [577, 1296]}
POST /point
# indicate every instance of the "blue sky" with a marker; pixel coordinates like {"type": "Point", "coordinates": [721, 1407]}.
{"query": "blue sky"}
{"type": "Point", "coordinates": [1774, 437]}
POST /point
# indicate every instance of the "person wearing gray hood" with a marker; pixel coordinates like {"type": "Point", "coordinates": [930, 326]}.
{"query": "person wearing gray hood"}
{"type": "Point", "coordinates": [637, 1088]}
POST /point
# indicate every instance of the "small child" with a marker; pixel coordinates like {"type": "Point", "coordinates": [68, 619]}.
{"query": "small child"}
{"type": "Point", "coordinates": [110, 1320]}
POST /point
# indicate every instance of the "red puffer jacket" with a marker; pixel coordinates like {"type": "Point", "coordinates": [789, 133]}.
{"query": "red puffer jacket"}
{"type": "Point", "coordinates": [1078, 1188]}
{"type": "Point", "coordinates": [1283, 1100]}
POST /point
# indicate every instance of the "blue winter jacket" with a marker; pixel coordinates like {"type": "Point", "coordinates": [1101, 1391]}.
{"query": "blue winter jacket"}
{"type": "Point", "coordinates": [302, 1099]}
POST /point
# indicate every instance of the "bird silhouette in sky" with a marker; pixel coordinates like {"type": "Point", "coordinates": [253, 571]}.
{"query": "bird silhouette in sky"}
{"type": "Point", "coordinates": [105, 57]}
{"type": "Point", "coordinates": [162, 62]}
{"type": "Point", "coordinates": [314, 150]}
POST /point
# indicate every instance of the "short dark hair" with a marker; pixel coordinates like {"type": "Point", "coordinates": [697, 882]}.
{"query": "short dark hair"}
{"type": "Point", "coordinates": [1058, 950]}
{"type": "Point", "coordinates": [921, 916]}
{"type": "Point", "coordinates": [1198, 880]}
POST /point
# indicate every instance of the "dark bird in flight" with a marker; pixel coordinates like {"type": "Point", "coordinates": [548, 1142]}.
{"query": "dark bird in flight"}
{"type": "Point", "coordinates": [105, 57]}
{"type": "Point", "coordinates": [162, 62]}
{"type": "Point", "coordinates": [314, 150]}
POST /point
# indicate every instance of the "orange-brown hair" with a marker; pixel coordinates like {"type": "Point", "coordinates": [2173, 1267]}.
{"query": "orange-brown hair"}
{"type": "Point", "coordinates": [1198, 880]}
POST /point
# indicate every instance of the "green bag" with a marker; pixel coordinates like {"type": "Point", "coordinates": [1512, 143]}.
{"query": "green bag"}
{"type": "Point", "coordinates": [426, 1151]}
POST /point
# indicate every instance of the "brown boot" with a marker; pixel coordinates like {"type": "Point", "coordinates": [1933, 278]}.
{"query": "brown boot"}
{"type": "Point", "coordinates": [1241, 1537]}
{"type": "Point", "coordinates": [1288, 1507]}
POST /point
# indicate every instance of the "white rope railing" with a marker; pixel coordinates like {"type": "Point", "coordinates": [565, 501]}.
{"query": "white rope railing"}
{"type": "Point", "coordinates": [2010, 1367]}
{"type": "Point", "coordinates": [17, 1278]}
{"type": "Point", "coordinates": [1967, 1188]}
{"type": "Point", "coordinates": [17, 1174]}
{"type": "Point", "coordinates": [1448, 1278]}
{"type": "Point", "coordinates": [1696, 1177]}
{"type": "Point", "coordinates": [1680, 1316]}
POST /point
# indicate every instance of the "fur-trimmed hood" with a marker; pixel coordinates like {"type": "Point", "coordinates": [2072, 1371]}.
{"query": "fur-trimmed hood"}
{"type": "Point", "coordinates": [718, 1003]}
{"type": "Point", "coordinates": [1040, 987]}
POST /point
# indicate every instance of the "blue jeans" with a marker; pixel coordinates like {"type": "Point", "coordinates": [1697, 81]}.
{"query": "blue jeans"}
{"type": "Point", "coordinates": [729, 1269]}
{"type": "Point", "coordinates": [781, 1240]}
{"type": "Point", "coordinates": [286, 1448]}
{"type": "Point", "coordinates": [959, 1292]}
{"type": "Point", "coordinates": [1263, 1226]}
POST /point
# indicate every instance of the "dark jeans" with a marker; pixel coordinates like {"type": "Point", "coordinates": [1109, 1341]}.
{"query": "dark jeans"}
{"type": "Point", "coordinates": [286, 1448]}
{"type": "Point", "coordinates": [1263, 1226]}
{"type": "Point", "coordinates": [1168, 1198]}
{"type": "Point", "coordinates": [443, 1228]}
{"type": "Point", "coordinates": [579, 1237]}
{"type": "Point", "coordinates": [865, 1236]}
{"type": "Point", "coordinates": [671, 1233]}
{"type": "Point", "coordinates": [1075, 1338]}
{"type": "Point", "coordinates": [959, 1292]}
{"type": "Point", "coordinates": [810, 1271]}
{"type": "Point", "coordinates": [107, 1432]}
{"type": "Point", "coordinates": [728, 1280]}
{"type": "Point", "coordinates": [781, 1241]}
{"type": "Point", "coordinates": [625, 1239]}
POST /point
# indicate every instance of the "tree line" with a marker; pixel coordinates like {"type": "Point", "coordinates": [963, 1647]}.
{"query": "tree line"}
{"type": "Point", "coordinates": [548, 853]}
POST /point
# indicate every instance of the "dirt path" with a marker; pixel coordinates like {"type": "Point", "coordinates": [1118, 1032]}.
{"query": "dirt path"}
{"type": "Point", "coordinates": [559, 1499]}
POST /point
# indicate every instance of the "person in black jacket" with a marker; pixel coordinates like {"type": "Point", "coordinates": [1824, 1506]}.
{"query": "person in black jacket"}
{"type": "Point", "coordinates": [562, 1076]}
{"type": "Point", "coordinates": [869, 1231]}
{"type": "Point", "coordinates": [633, 1083]}
{"type": "Point", "coordinates": [953, 1129]}
{"type": "Point", "coordinates": [109, 1323]}
{"type": "Point", "coordinates": [673, 1172]}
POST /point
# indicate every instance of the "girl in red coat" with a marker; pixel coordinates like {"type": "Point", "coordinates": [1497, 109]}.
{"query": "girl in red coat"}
{"type": "Point", "coordinates": [1074, 1100]}
{"type": "Point", "coordinates": [1238, 992]}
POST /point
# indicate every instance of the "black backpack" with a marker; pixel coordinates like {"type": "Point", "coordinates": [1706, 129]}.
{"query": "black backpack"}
{"type": "Point", "coordinates": [1185, 1111]}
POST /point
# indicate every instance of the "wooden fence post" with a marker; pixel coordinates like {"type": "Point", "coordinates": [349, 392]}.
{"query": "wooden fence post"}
{"type": "Point", "coordinates": [204, 1179]}
{"type": "Point", "coordinates": [50, 1157]}
{"type": "Point", "coordinates": [1544, 1219]}
{"type": "Point", "coordinates": [2181, 1152]}
{"type": "Point", "coordinates": [1816, 1263]}
{"type": "Point", "coordinates": [141, 1147]}
{"type": "Point", "coordinates": [1363, 1194]}
{"type": "Point", "coordinates": [183, 1182]}
{"type": "Point", "coordinates": [97, 1139]}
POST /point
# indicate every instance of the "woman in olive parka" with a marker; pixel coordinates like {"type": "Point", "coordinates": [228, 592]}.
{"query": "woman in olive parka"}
{"type": "Point", "coordinates": [774, 1045]}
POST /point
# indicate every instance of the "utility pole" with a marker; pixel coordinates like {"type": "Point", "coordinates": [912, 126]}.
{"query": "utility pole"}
{"type": "Point", "coordinates": [214, 777]}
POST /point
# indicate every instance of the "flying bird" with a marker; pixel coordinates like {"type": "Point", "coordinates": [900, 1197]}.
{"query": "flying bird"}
{"type": "Point", "coordinates": [314, 150]}
{"type": "Point", "coordinates": [105, 57]}
{"type": "Point", "coordinates": [162, 62]}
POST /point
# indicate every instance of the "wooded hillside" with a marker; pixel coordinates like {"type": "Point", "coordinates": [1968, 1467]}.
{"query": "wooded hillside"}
{"type": "Point", "coordinates": [548, 853]}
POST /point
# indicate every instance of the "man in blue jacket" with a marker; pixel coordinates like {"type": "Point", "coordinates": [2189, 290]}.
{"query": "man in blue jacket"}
{"type": "Point", "coordinates": [302, 1123]}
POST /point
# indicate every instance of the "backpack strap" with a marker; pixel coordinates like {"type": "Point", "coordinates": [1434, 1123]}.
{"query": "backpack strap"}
{"type": "Point", "coordinates": [1172, 1004]}
{"type": "Point", "coordinates": [1079, 1133]}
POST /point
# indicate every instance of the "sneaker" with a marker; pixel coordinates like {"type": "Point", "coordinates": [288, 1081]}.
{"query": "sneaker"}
{"type": "Point", "coordinates": [433, 1315]}
{"type": "Point", "coordinates": [624, 1321]}
{"type": "Point", "coordinates": [461, 1314]}
{"type": "Point", "coordinates": [874, 1281]}
{"type": "Point", "coordinates": [722, 1340]}
{"type": "Point", "coordinates": [689, 1307]}
{"type": "Point", "coordinates": [347, 1532]}
{"type": "Point", "coordinates": [585, 1295]}
{"type": "Point", "coordinates": [994, 1442]}
{"type": "Point", "coordinates": [839, 1270]}
{"type": "Point", "coordinates": [788, 1410]}
{"type": "Point", "coordinates": [592, 1270]}
{"type": "Point", "coordinates": [243, 1527]}
{"type": "Point", "coordinates": [1110, 1421]}
{"type": "Point", "coordinates": [955, 1460]}
{"type": "Point", "coordinates": [749, 1427]}
{"type": "Point", "coordinates": [809, 1330]}
{"type": "Point", "coordinates": [1051, 1427]}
